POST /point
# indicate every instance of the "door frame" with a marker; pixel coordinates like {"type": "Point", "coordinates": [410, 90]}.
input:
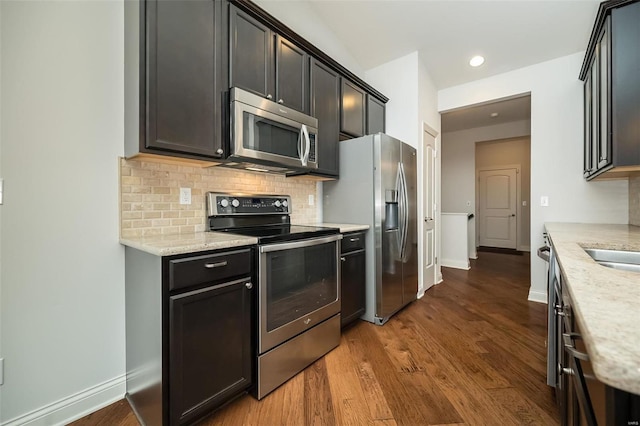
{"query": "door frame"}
{"type": "Point", "coordinates": [518, 200]}
{"type": "Point", "coordinates": [421, 214]}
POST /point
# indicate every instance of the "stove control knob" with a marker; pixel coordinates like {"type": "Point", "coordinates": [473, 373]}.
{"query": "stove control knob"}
{"type": "Point", "coordinates": [285, 203]}
{"type": "Point", "coordinates": [235, 202]}
{"type": "Point", "coordinates": [224, 203]}
{"type": "Point", "coordinates": [277, 203]}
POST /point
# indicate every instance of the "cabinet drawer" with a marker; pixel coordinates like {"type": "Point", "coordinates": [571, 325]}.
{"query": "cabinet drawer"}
{"type": "Point", "coordinates": [353, 241]}
{"type": "Point", "coordinates": [195, 270]}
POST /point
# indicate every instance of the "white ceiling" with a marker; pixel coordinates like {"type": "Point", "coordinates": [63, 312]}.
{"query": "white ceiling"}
{"type": "Point", "coordinates": [515, 109]}
{"type": "Point", "coordinates": [510, 34]}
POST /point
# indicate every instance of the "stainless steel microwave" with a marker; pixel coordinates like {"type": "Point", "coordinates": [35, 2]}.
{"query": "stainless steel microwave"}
{"type": "Point", "coordinates": [268, 133]}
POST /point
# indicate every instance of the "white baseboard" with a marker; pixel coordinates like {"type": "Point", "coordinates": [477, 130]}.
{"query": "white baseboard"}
{"type": "Point", "coordinates": [439, 278]}
{"type": "Point", "coordinates": [458, 264]}
{"type": "Point", "coordinates": [75, 406]}
{"type": "Point", "coordinates": [538, 296]}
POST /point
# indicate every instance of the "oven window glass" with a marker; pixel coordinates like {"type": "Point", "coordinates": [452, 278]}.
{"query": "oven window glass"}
{"type": "Point", "coordinates": [300, 281]}
{"type": "Point", "coordinates": [264, 135]}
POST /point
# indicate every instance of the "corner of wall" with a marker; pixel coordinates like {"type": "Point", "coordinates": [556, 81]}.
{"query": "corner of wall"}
{"type": "Point", "coordinates": [634, 199]}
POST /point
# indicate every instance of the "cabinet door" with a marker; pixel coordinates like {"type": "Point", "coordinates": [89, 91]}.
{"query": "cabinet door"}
{"type": "Point", "coordinates": [210, 348]}
{"type": "Point", "coordinates": [352, 120]}
{"type": "Point", "coordinates": [251, 54]}
{"type": "Point", "coordinates": [353, 281]}
{"type": "Point", "coordinates": [292, 83]}
{"type": "Point", "coordinates": [325, 106]}
{"type": "Point", "coordinates": [588, 168]}
{"type": "Point", "coordinates": [604, 138]}
{"type": "Point", "coordinates": [183, 75]}
{"type": "Point", "coordinates": [375, 115]}
{"type": "Point", "coordinates": [595, 113]}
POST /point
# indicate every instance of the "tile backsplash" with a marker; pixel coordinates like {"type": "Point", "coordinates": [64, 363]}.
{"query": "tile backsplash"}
{"type": "Point", "coordinates": [150, 204]}
{"type": "Point", "coordinates": [634, 199]}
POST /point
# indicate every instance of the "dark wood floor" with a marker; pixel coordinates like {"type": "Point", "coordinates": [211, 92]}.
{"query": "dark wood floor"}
{"type": "Point", "coordinates": [472, 351]}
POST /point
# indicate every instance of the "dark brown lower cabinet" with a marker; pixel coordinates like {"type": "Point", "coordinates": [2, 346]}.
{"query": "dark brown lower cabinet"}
{"type": "Point", "coordinates": [588, 401]}
{"type": "Point", "coordinates": [210, 353]}
{"type": "Point", "coordinates": [189, 332]}
{"type": "Point", "coordinates": [353, 278]}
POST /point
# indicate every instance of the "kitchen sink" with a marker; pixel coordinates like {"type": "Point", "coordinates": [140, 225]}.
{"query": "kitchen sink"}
{"type": "Point", "coordinates": [617, 259]}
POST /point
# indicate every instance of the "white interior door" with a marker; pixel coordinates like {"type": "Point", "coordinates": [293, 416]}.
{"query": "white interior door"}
{"type": "Point", "coordinates": [429, 200]}
{"type": "Point", "coordinates": [497, 210]}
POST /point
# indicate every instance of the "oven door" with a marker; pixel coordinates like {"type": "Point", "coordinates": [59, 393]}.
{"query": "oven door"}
{"type": "Point", "coordinates": [299, 287]}
{"type": "Point", "coordinates": [260, 134]}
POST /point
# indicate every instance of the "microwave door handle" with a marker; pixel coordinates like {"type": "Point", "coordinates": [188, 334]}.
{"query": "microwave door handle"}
{"type": "Point", "coordinates": [307, 147]}
{"type": "Point", "coordinates": [300, 156]}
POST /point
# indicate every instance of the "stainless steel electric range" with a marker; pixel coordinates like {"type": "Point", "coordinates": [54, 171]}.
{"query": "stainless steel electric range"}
{"type": "Point", "coordinates": [298, 273]}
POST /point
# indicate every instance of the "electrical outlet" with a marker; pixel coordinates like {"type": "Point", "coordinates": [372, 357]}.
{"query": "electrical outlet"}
{"type": "Point", "coordinates": [312, 200]}
{"type": "Point", "coordinates": [1, 371]}
{"type": "Point", "coordinates": [544, 201]}
{"type": "Point", "coordinates": [185, 195]}
{"type": "Point", "coordinates": [524, 204]}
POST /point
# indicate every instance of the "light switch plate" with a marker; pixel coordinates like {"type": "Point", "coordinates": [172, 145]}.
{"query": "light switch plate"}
{"type": "Point", "coordinates": [185, 195]}
{"type": "Point", "coordinates": [312, 200]}
{"type": "Point", "coordinates": [544, 201]}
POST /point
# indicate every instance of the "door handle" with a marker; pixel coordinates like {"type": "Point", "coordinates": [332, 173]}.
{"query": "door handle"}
{"type": "Point", "coordinates": [513, 215]}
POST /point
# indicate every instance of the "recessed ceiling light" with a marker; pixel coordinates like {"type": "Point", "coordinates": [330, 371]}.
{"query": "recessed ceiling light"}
{"type": "Point", "coordinates": [476, 61]}
{"type": "Point", "coordinates": [494, 114]}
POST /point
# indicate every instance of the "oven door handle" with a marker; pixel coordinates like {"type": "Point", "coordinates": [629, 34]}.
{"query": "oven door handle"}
{"type": "Point", "coordinates": [300, 244]}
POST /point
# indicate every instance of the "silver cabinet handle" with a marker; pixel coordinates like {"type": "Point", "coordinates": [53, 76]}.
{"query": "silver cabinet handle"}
{"type": "Point", "coordinates": [280, 101]}
{"type": "Point", "coordinates": [269, 96]}
{"type": "Point", "coordinates": [343, 259]}
{"type": "Point", "coordinates": [353, 240]}
{"type": "Point", "coordinates": [249, 285]}
{"type": "Point", "coordinates": [215, 265]}
{"type": "Point", "coordinates": [219, 151]}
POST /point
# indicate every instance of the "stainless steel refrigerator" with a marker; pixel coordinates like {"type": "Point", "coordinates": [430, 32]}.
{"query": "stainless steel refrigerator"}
{"type": "Point", "coordinates": [377, 187]}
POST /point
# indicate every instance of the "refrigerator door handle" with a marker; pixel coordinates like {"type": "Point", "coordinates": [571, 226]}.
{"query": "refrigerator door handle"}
{"type": "Point", "coordinates": [400, 211]}
{"type": "Point", "coordinates": [403, 213]}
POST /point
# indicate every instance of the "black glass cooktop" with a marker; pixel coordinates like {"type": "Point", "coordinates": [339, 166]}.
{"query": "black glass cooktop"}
{"type": "Point", "coordinates": [278, 233]}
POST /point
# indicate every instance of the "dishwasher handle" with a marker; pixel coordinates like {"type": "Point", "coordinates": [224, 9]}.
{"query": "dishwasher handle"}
{"type": "Point", "coordinates": [543, 253]}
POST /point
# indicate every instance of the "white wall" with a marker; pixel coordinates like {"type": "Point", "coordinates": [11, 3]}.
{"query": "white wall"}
{"type": "Point", "coordinates": [412, 102]}
{"type": "Point", "coordinates": [301, 18]}
{"type": "Point", "coordinates": [459, 167]}
{"type": "Point", "coordinates": [556, 149]}
{"type": "Point", "coordinates": [398, 80]}
{"type": "Point", "coordinates": [62, 313]}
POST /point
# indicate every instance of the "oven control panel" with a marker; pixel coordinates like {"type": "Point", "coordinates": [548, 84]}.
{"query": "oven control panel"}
{"type": "Point", "coordinates": [220, 204]}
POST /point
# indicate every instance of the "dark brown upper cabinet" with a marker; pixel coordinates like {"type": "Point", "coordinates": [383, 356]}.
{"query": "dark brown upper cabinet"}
{"type": "Point", "coordinates": [325, 106]}
{"type": "Point", "coordinates": [375, 115]}
{"type": "Point", "coordinates": [266, 63]}
{"type": "Point", "coordinates": [611, 75]}
{"type": "Point", "coordinates": [353, 105]}
{"type": "Point", "coordinates": [184, 74]}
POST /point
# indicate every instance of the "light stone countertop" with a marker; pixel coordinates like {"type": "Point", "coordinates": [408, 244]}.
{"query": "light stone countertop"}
{"type": "Point", "coordinates": [605, 301]}
{"type": "Point", "coordinates": [167, 245]}
{"type": "Point", "coordinates": [344, 227]}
